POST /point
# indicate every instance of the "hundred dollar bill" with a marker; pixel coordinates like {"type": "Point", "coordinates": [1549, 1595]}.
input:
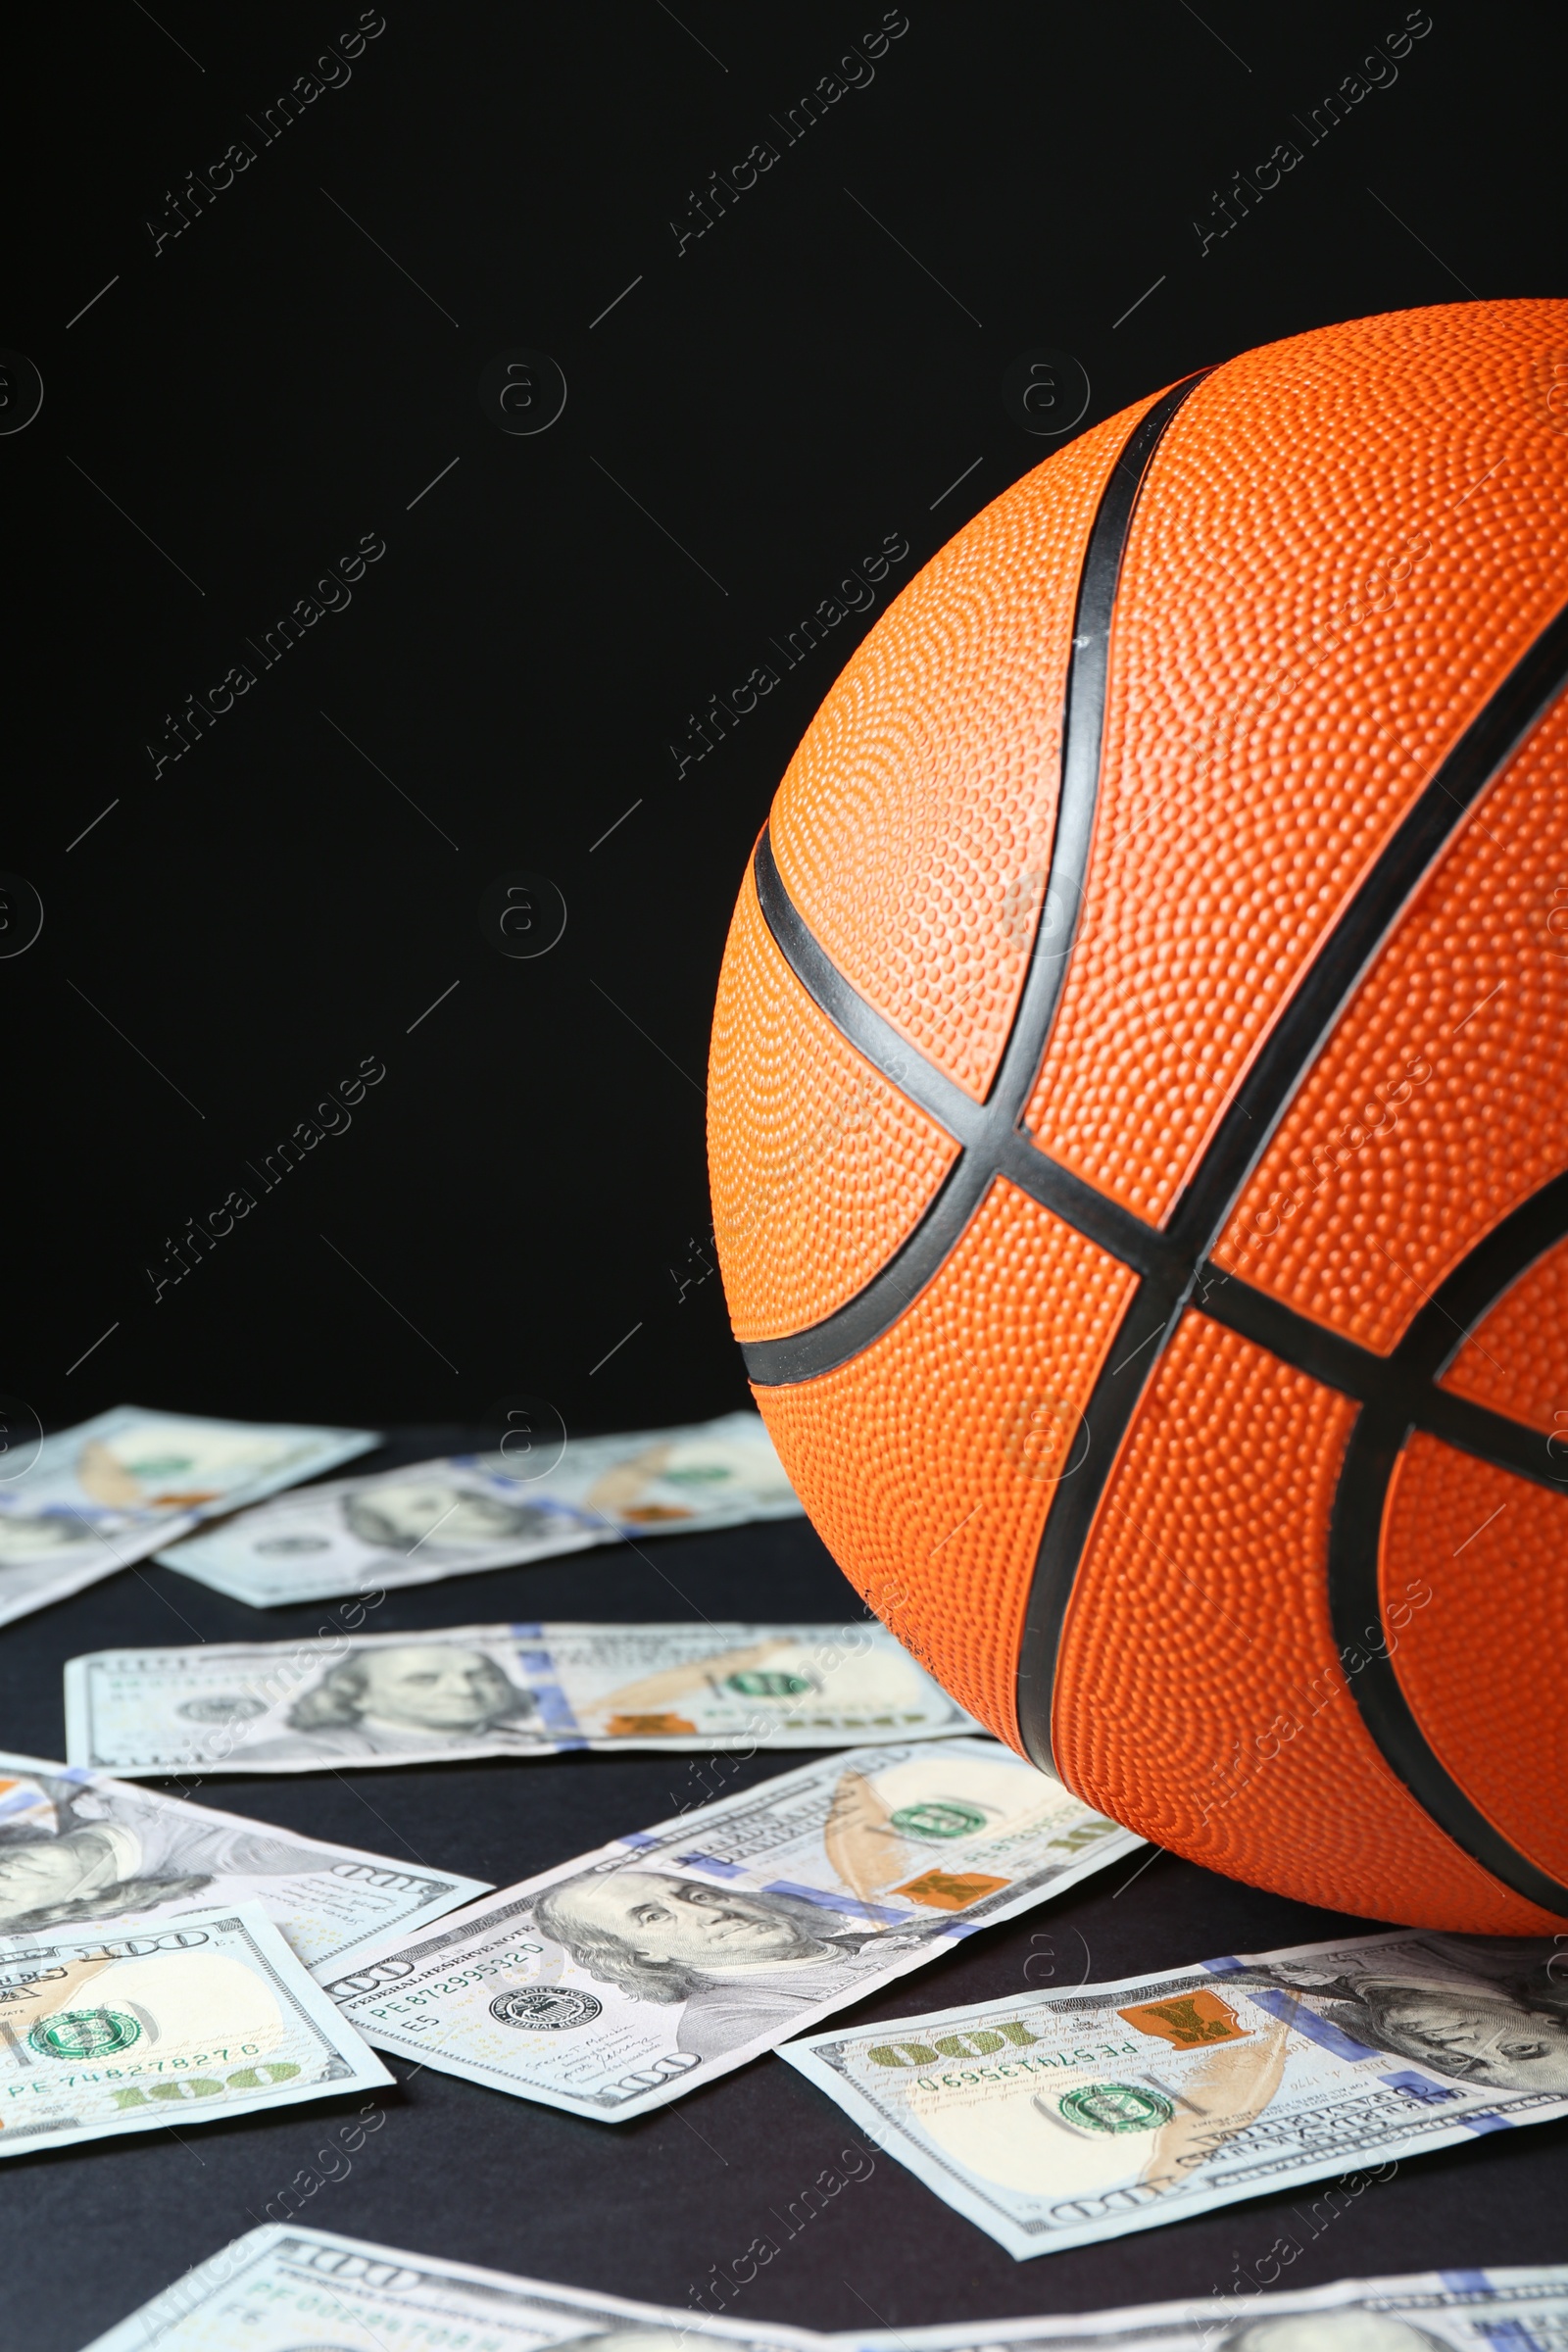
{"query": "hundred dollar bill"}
{"type": "Point", "coordinates": [1054, 2123]}
{"type": "Point", "coordinates": [1433, 2311]}
{"type": "Point", "coordinates": [466, 1511]}
{"type": "Point", "coordinates": [616, 1981]}
{"type": "Point", "coordinates": [76, 1847]}
{"type": "Point", "coordinates": [90, 1499]}
{"type": "Point", "coordinates": [139, 2023]}
{"type": "Point", "coordinates": [281, 2290]}
{"type": "Point", "coordinates": [497, 1690]}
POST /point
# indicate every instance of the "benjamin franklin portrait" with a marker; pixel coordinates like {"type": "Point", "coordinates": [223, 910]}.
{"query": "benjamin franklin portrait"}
{"type": "Point", "coordinates": [744, 1963]}
{"type": "Point", "coordinates": [35, 1535]}
{"type": "Point", "coordinates": [1504, 2030]}
{"type": "Point", "coordinates": [405, 1697]}
{"type": "Point", "coordinates": [403, 1517]}
{"type": "Point", "coordinates": [105, 1852]}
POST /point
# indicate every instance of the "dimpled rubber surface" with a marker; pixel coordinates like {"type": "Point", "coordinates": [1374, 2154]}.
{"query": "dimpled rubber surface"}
{"type": "Point", "coordinates": [1320, 590]}
{"type": "Point", "coordinates": [1341, 547]}
{"type": "Point", "coordinates": [818, 1165]}
{"type": "Point", "coordinates": [1455, 1045]}
{"type": "Point", "coordinates": [1480, 1663]}
{"type": "Point", "coordinates": [914, 826]}
{"type": "Point", "coordinates": [1516, 1360]}
{"type": "Point", "coordinates": [1198, 1631]}
{"type": "Point", "coordinates": [927, 1462]}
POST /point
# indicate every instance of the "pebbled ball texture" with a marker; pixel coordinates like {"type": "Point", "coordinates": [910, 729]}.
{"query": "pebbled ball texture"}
{"type": "Point", "coordinates": [1204, 1576]}
{"type": "Point", "coordinates": [933, 1455]}
{"type": "Point", "coordinates": [1516, 1360]}
{"type": "Point", "coordinates": [1466, 1531]}
{"type": "Point", "coordinates": [832, 1166]}
{"type": "Point", "coordinates": [1436, 1105]}
{"type": "Point", "coordinates": [914, 826]}
{"type": "Point", "coordinates": [1294, 645]}
{"type": "Point", "coordinates": [1341, 549]}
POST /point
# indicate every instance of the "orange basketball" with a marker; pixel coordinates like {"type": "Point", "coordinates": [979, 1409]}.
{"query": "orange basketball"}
{"type": "Point", "coordinates": [1139, 1116]}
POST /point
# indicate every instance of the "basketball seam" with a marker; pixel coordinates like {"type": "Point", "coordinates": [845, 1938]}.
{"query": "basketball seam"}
{"type": "Point", "coordinates": [988, 1133]}
{"type": "Point", "coordinates": [1336, 1362]}
{"type": "Point", "coordinates": [1381, 1434]}
{"type": "Point", "coordinates": [1356, 1609]}
{"type": "Point", "coordinates": [1307, 1020]}
{"type": "Point", "coordinates": [1308, 1015]}
{"type": "Point", "coordinates": [1175, 1271]}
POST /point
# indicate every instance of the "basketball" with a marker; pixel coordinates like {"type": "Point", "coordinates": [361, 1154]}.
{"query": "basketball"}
{"type": "Point", "coordinates": [1138, 1118]}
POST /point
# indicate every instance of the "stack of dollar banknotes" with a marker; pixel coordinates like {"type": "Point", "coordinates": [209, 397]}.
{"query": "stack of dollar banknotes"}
{"type": "Point", "coordinates": [165, 1963]}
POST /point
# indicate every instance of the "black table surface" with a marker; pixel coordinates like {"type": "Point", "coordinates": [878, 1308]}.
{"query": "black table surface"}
{"type": "Point", "coordinates": [649, 2208]}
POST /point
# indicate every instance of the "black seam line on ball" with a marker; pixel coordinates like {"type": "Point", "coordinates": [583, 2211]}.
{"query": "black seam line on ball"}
{"type": "Point", "coordinates": [988, 1136]}
{"type": "Point", "coordinates": [1148, 1320]}
{"type": "Point", "coordinates": [1398, 1394]}
{"type": "Point", "coordinates": [1408, 1400]}
{"type": "Point", "coordinates": [1326, 987]}
{"type": "Point", "coordinates": [1439, 1332]}
{"type": "Point", "coordinates": [1397, 1382]}
{"type": "Point", "coordinates": [1354, 1538]}
{"type": "Point", "coordinates": [1244, 1130]}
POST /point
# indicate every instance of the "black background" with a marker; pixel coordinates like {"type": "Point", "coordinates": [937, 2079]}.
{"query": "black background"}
{"type": "Point", "coordinates": [529, 1177]}
{"type": "Point", "coordinates": [525, 1186]}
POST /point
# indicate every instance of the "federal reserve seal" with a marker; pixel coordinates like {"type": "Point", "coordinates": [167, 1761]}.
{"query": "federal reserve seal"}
{"type": "Point", "coordinates": [83, 2033]}
{"type": "Point", "coordinates": [1114, 2107]}
{"type": "Point", "coordinates": [216, 1709]}
{"type": "Point", "coordinates": [545, 2008]}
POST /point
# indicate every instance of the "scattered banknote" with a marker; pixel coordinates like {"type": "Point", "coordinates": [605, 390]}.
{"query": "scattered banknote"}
{"type": "Point", "coordinates": [76, 1847]}
{"type": "Point", "coordinates": [137, 2024]}
{"type": "Point", "coordinates": [616, 1981]}
{"type": "Point", "coordinates": [1436, 2310]}
{"type": "Point", "coordinates": [497, 1690]}
{"type": "Point", "coordinates": [274, 2288]}
{"type": "Point", "coordinates": [1057, 2121]}
{"type": "Point", "coordinates": [90, 1499]}
{"type": "Point", "coordinates": [286, 2289]}
{"type": "Point", "coordinates": [466, 1511]}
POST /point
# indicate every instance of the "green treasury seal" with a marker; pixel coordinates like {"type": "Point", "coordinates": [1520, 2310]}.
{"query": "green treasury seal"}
{"type": "Point", "coordinates": [938, 1817]}
{"type": "Point", "coordinates": [83, 2033]}
{"type": "Point", "coordinates": [1114, 2107]}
